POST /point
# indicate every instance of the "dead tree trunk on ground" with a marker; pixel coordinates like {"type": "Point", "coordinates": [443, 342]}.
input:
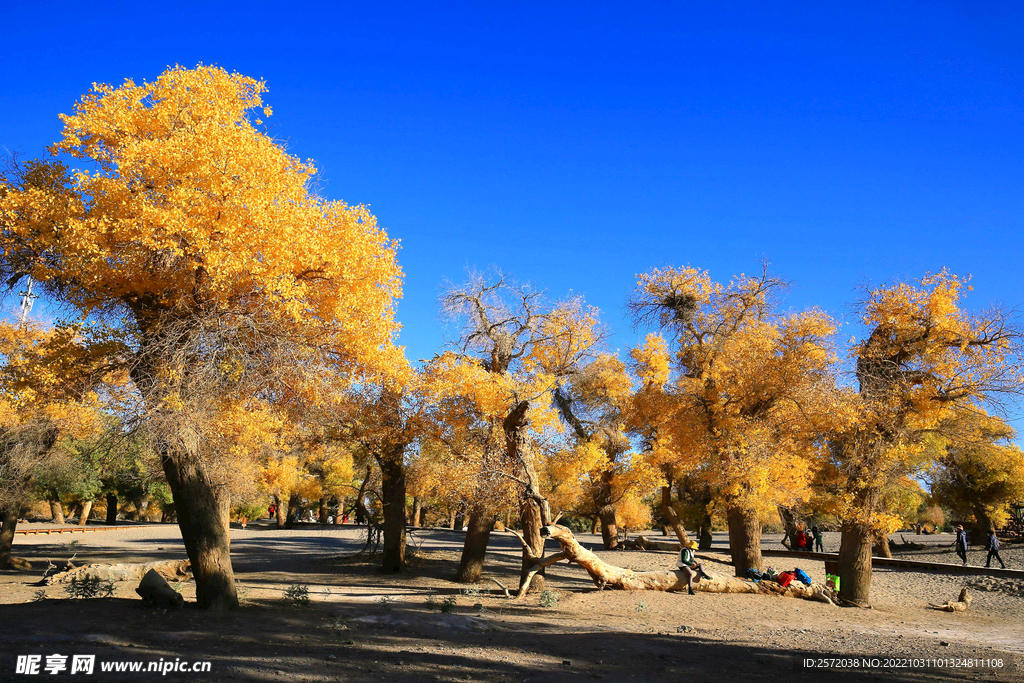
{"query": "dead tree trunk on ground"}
{"type": "Point", "coordinates": [606, 575]}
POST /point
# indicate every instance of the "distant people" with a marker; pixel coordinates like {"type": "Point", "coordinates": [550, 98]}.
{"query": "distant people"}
{"type": "Point", "coordinates": [809, 541]}
{"type": "Point", "coordinates": [960, 542]}
{"type": "Point", "coordinates": [689, 566]}
{"type": "Point", "coordinates": [271, 511]}
{"type": "Point", "coordinates": [799, 541]}
{"type": "Point", "coordinates": [344, 518]}
{"type": "Point", "coordinates": [243, 520]}
{"type": "Point", "coordinates": [819, 544]}
{"type": "Point", "coordinates": [993, 550]}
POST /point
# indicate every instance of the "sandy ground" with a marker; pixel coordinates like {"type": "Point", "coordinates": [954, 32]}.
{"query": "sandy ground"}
{"type": "Point", "coordinates": [364, 626]}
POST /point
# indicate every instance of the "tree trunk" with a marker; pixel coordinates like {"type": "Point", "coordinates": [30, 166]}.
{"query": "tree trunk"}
{"type": "Point", "coordinates": [606, 575]}
{"type": "Point", "coordinates": [475, 547]}
{"type": "Point", "coordinates": [882, 548]}
{"type": "Point", "coordinates": [744, 539]}
{"type": "Point", "coordinates": [392, 472]}
{"type": "Point", "coordinates": [983, 524]}
{"type": "Point", "coordinates": [111, 509]}
{"type": "Point", "coordinates": [9, 519]}
{"type": "Point", "coordinates": [451, 520]}
{"type": "Point", "coordinates": [293, 508]}
{"type": "Point", "coordinates": [595, 524]}
{"type": "Point", "coordinates": [855, 563]}
{"type": "Point", "coordinates": [57, 510]}
{"type": "Point", "coordinates": [609, 528]}
{"type": "Point", "coordinates": [83, 516]}
{"type": "Point", "coordinates": [321, 510]}
{"type": "Point", "coordinates": [204, 519]}
{"type": "Point", "coordinates": [789, 524]}
{"type": "Point", "coordinates": [280, 513]}
{"type": "Point", "coordinates": [670, 514]}
{"type": "Point", "coordinates": [705, 532]}
{"type": "Point", "coordinates": [417, 511]}
{"type": "Point", "coordinates": [530, 515]}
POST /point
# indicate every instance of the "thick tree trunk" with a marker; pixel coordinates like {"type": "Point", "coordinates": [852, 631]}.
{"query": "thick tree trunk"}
{"type": "Point", "coordinates": [321, 512]}
{"type": "Point", "coordinates": [452, 517]}
{"type": "Point", "coordinates": [595, 524]}
{"type": "Point", "coordinates": [204, 519]}
{"type": "Point", "coordinates": [744, 539]}
{"type": "Point", "coordinates": [530, 515]}
{"type": "Point", "coordinates": [9, 519]}
{"type": "Point", "coordinates": [293, 507]}
{"type": "Point", "coordinates": [417, 511]}
{"type": "Point", "coordinates": [475, 547]}
{"type": "Point", "coordinates": [882, 548]}
{"type": "Point", "coordinates": [57, 511]}
{"type": "Point", "coordinates": [83, 516]}
{"type": "Point", "coordinates": [855, 563]}
{"type": "Point", "coordinates": [609, 528]}
{"type": "Point", "coordinates": [983, 524]}
{"type": "Point", "coordinates": [392, 472]}
{"type": "Point", "coordinates": [111, 509]}
{"type": "Point", "coordinates": [789, 524]}
{"type": "Point", "coordinates": [280, 513]}
{"type": "Point", "coordinates": [705, 532]}
{"type": "Point", "coordinates": [670, 514]}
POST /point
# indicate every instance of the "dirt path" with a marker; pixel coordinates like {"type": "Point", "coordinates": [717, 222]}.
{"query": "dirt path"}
{"type": "Point", "coordinates": [364, 626]}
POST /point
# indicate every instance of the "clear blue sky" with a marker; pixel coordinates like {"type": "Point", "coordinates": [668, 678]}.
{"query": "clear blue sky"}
{"type": "Point", "coordinates": [576, 145]}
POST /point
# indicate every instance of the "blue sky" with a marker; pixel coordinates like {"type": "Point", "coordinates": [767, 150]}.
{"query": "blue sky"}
{"type": "Point", "coordinates": [575, 145]}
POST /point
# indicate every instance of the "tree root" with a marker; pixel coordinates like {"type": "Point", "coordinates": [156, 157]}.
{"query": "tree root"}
{"type": "Point", "coordinates": [959, 605]}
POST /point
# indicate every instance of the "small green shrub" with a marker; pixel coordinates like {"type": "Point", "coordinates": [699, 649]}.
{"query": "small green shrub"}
{"type": "Point", "coordinates": [642, 607]}
{"type": "Point", "coordinates": [448, 604]}
{"type": "Point", "coordinates": [89, 587]}
{"type": "Point", "coordinates": [548, 598]}
{"type": "Point", "coordinates": [297, 594]}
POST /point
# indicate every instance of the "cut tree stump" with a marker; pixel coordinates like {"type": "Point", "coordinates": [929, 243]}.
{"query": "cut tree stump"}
{"type": "Point", "coordinates": [157, 592]}
{"type": "Point", "coordinates": [607, 575]}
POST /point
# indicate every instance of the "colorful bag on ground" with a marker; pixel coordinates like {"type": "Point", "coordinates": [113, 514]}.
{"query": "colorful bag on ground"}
{"type": "Point", "coordinates": [832, 581]}
{"type": "Point", "coordinates": [785, 578]}
{"type": "Point", "coordinates": [802, 577]}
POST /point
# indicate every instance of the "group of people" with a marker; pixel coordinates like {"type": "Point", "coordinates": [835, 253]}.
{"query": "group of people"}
{"type": "Point", "coordinates": [809, 540]}
{"type": "Point", "coordinates": [991, 545]}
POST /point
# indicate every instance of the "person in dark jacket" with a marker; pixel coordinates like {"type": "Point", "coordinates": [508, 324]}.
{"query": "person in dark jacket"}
{"type": "Point", "coordinates": [960, 542]}
{"type": "Point", "coordinates": [819, 544]}
{"type": "Point", "coordinates": [689, 566]}
{"type": "Point", "coordinates": [993, 550]}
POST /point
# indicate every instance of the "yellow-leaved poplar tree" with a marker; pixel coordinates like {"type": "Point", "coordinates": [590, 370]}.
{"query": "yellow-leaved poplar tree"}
{"type": "Point", "coordinates": [176, 213]}
{"type": "Point", "coordinates": [749, 394]}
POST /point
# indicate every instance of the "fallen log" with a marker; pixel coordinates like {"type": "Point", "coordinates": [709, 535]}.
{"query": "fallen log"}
{"type": "Point", "coordinates": [606, 575]}
{"type": "Point", "coordinates": [170, 570]}
{"type": "Point", "coordinates": [11, 562]}
{"type": "Point", "coordinates": [644, 543]}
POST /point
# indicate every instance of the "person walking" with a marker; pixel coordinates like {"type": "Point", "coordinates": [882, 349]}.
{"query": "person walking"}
{"type": "Point", "coordinates": [960, 542]}
{"type": "Point", "coordinates": [993, 550]}
{"type": "Point", "coordinates": [819, 545]}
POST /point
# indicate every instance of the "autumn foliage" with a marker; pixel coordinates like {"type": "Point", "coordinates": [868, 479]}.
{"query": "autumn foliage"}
{"type": "Point", "coordinates": [243, 327]}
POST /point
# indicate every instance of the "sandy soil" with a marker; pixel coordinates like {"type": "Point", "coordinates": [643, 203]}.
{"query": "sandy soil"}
{"type": "Point", "coordinates": [364, 626]}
